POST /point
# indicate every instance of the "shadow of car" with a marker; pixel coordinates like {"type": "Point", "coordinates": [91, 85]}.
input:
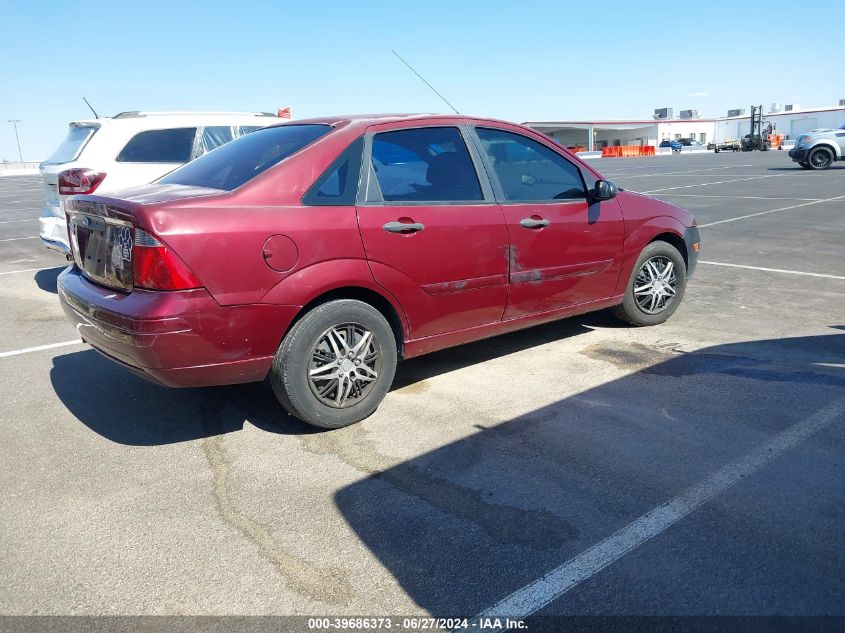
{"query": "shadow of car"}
{"type": "Point", "coordinates": [126, 409]}
{"type": "Point", "coordinates": [47, 279]}
{"type": "Point", "coordinates": [464, 525]}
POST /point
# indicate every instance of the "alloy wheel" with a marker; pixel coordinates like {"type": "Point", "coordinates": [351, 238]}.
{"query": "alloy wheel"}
{"type": "Point", "coordinates": [344, 365]}
{"type": "Point", "coordinates": [655, 285]}
{"type": "Point", "coordinates": [820, 159]}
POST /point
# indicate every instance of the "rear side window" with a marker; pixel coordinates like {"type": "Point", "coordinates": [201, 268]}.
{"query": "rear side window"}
{"type": "Point", "coordinates": [425, 165]}
{"type": "Point", "coordinates": [338, 185]}
{"type": "Point", "coordinates": [214, 136]}
{"type": "Point", "coordinates": [241, 160]}
{"type": "Point", "coordinates": [159, 146]}
{"type": "Point", "coordinates": [528, 170]}
{"type": "Point", "coordinates": [77, 137]}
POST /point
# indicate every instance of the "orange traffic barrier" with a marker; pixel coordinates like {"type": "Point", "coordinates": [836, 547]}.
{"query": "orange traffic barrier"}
{"type": "Point", "coordinates": [625, 151]}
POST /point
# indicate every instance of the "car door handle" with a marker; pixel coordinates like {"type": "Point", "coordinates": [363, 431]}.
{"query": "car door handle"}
{"type": "Point", "coordinates": [402, 227]}
{"type": "Point", "coordinates": [531, 223]}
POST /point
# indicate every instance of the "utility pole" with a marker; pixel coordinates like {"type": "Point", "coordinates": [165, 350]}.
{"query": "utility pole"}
{"type": "Point", "coordinates": [17, 138]}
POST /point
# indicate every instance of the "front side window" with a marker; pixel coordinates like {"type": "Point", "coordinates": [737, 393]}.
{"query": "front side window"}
{"type": "Point", "coordinates": [159, 146]}
{"type": "Point", "coordinates": [425, 165]}
{"type": "Point", "coordinates": [236, 162]}
{"type": "Point", "coordinates": [528, 170]}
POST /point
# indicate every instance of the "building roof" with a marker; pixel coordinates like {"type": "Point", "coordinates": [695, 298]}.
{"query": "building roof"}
{"type": "Point", "coordinates": [610, 124]}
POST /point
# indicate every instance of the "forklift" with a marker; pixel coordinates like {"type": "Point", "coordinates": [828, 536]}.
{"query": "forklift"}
{"type": "Point", "coordinates": [760, 138]}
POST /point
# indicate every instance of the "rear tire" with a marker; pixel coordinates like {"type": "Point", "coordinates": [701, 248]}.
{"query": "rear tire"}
{"type": "Point", "coordinates": [805, 165]}
{"type": "Point", "coordinates": [335, 365]}
{"type": "Point", "coordinates": [647, 299]}
{"type": "Point", "coordinates": [820, 158]}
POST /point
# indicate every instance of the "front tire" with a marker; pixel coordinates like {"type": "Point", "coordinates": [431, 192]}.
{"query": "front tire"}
{"type": "Point", "coordinates": [656, 286]}
{"type": "Point", "coordinates": [335, 365]}
{"type": "Point", "coordinates": [805, 164]}
{"type": "Point", "coordinates": [820, 158]}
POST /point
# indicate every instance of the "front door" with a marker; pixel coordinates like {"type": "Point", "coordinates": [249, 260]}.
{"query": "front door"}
{"type": "Point", "coordinates": [564, 250]}
{"type": "Point", "coordinates": [433, 234]}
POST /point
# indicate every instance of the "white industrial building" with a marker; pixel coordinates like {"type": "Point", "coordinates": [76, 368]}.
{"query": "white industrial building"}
{"type": "Point", "coordinates": [788, 120]}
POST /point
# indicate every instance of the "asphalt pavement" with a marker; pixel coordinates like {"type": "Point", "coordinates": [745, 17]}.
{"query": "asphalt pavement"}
{"type": "Point", "coordinates": [578, 468]}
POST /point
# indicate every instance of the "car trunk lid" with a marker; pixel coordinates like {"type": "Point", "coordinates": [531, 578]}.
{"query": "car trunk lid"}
{"type": "Point", "coordinates": [101, 240]}
{"type": "Point", "coordinates": [115, 240]}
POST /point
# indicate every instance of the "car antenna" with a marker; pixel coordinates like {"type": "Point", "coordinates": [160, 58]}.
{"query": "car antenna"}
{"type": "Point", "coordinates": [96, 116]}
{"type": "Point", "coordinates": [425, 82]}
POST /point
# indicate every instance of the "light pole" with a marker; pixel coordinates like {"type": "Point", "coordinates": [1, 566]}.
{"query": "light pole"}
{"type": "Point", "coordinates": [17, 138]}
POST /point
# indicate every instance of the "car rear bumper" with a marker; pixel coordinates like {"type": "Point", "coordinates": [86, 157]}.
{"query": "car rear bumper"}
{"type": "Point", "coordinates": [53, 230]}
{"type": "Point", "coordinates": [176, 339]}
{"type": "Point", "coordinates": [798, 155]}
{"type": "Point", "coordinates": [693, 244]}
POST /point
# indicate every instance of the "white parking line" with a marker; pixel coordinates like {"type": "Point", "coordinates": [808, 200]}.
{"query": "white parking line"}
{"type": "Point", "coordinates": [39, 348]}
{"type": "Point", "coordinates": [705, 166]}
{"type": "Point", "coordinates": [13, 221]}
{"type": "Point", "coordinates": [29, 270]}
{"type": "Point", "coordinates": [754, 215]}
{"type": "Point", "coordinates": [18, 193]}
{"type": "Point", "coordinates": [15, 239]}
{"type": "Point", "coordinates": [687, 171]}
{"type": "Point", "coordinates": [721, 182]}
{"type": "Point", "coordinates": [557, 582]}
{"type": "Point", "coordinates": [772, 270]}
{"type": "Point", "coordinates": [18, 202]}
{"type": "Point", "coordinates": [702, 195]}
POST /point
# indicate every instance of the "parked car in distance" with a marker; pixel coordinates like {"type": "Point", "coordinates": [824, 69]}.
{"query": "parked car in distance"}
{"type": "Point", "coordinates": [690, 142]}
{"type": "Point", "coordinates": [319, 253]}
{"type": "Point", "coordinates": [820, 148]}
{"type": "Point", "coordinates": [131, 148]}
{"type": "Point", "coordinates": [675, 144]}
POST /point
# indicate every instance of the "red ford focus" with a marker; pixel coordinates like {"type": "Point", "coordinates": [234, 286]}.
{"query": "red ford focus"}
{"type": "Point", "coordinates": [319, 253]}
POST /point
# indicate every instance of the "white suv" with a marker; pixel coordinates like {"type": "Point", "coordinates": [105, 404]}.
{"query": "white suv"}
{"type": "Point", "coordinates": [129, 149]}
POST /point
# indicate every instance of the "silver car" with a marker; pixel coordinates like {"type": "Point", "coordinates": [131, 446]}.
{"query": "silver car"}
{"type": "Point", "coordinates": [819, 148]}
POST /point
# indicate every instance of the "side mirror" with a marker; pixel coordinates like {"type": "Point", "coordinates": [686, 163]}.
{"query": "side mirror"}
{"type": "Point", "coordinates": [604, 190]}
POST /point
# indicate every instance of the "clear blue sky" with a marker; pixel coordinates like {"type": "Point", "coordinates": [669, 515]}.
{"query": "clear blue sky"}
{"type": "Point", "coordinates": [517, 60]}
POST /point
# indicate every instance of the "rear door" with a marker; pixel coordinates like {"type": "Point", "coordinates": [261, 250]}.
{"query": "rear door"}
{"type": "Point", "coordinates": [564, 250]}
{"type": "Point", "coordinates": [433, 234]}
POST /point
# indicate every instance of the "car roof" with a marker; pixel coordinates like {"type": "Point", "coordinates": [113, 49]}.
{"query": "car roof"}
{"type": "Point", "coordinates": [366, 120]}
{"type": "Point", "coordinates": [137, 118]}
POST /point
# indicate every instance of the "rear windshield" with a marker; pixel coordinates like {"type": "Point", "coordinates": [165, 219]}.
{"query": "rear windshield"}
{"type": "Point", "coordinates": [231, 165]}
{"type": "Point", "coordinates": [75, 140]}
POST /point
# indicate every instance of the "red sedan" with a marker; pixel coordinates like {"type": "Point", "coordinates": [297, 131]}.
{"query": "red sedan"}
{"type": "Point", "coordinates": [319, 253]}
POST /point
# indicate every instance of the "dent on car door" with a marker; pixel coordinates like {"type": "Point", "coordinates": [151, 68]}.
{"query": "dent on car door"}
{"type": "Point", "coordinates": [433, 235]}
{"type": "Point", "coordinates": [565, 249]}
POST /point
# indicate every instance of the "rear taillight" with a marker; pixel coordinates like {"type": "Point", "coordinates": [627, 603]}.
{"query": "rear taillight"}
{"type": "Point", "coordinates": [74, 181]}
{"type": "Point", "coordinates": [156, 267]}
